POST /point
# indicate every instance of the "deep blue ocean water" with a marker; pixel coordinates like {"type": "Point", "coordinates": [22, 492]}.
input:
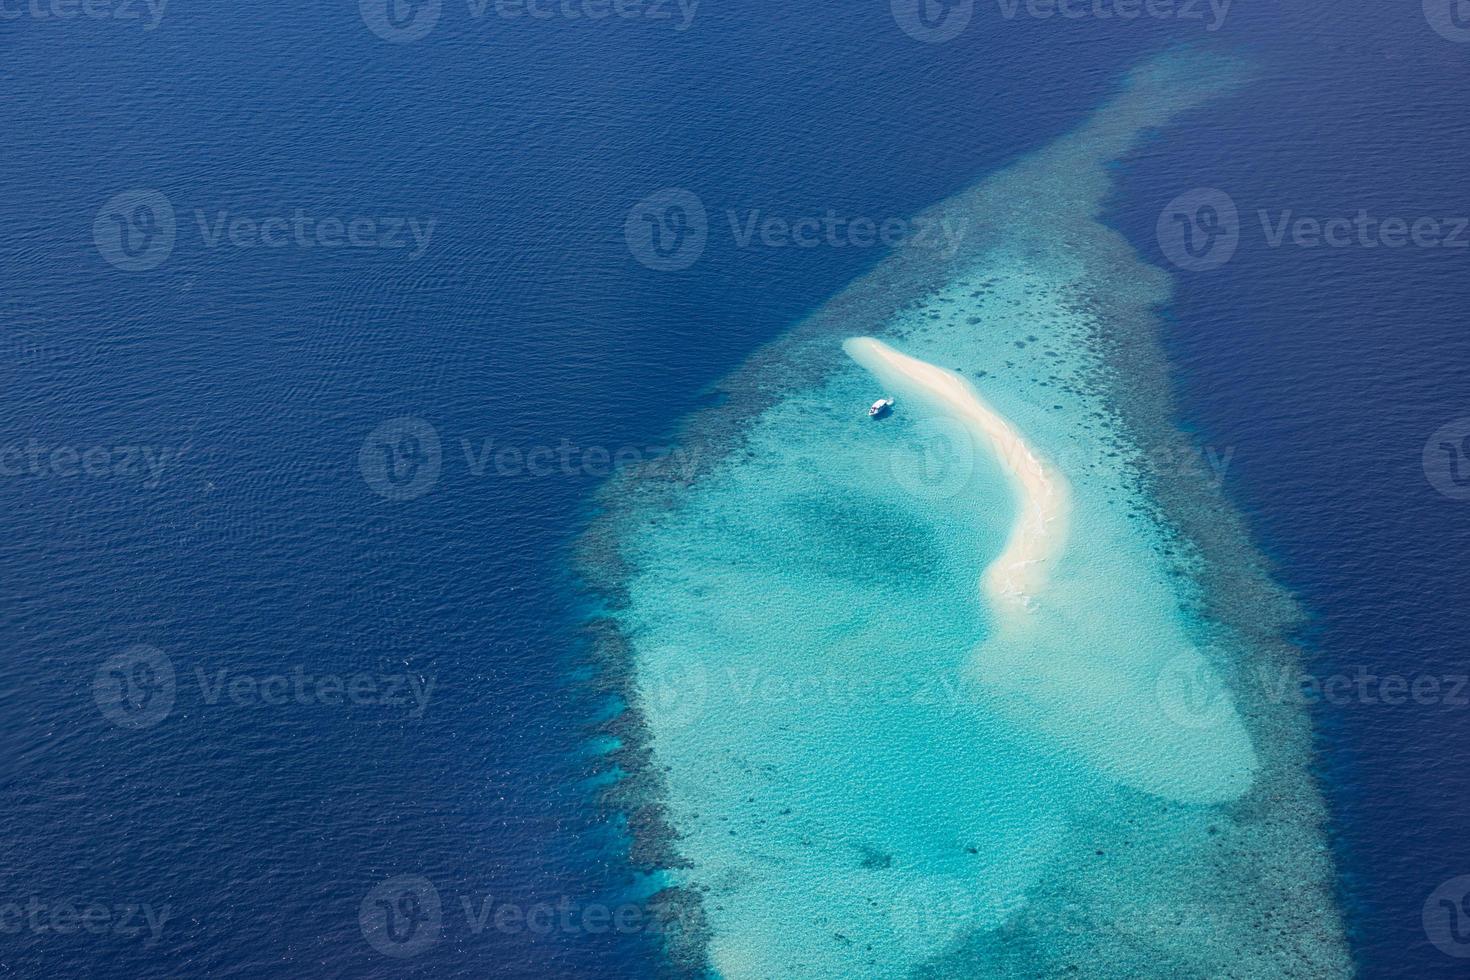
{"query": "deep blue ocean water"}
{"type": "Point", "coordinates": [263, 545]}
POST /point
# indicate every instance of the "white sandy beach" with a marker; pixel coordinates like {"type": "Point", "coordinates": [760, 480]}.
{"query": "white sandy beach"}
{"type": "Point", "coordinates": [1105, 698]}
{"type": "Point", "coordinates": [1042, 495]}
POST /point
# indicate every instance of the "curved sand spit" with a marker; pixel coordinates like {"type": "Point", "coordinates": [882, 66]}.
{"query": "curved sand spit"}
{"type": "Point", "coordinates": [1101, 699]}
{"type": "Point", "coordinates": [1042, 495]}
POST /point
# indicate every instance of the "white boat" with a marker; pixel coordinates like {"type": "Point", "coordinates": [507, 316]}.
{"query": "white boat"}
{"type": "Point", "coordinates": [880, 408]}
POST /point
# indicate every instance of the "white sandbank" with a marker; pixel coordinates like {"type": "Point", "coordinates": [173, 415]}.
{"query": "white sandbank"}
{"type": "Point", "coordinates": [1043, 497]}
{"type": "Point", "coordinates": [1124, 700]}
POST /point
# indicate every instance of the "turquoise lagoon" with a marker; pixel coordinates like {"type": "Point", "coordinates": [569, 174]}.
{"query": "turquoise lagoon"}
{"type": "Point", "coordinates": [863, 768]}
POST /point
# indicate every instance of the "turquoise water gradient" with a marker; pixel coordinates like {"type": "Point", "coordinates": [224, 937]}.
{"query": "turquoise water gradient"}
{"type": "Point", "coordinates": [870, 772]}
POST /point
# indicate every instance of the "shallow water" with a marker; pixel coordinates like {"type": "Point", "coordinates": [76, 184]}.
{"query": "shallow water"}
{"type": "Point", "coordinates": [867, 767]}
